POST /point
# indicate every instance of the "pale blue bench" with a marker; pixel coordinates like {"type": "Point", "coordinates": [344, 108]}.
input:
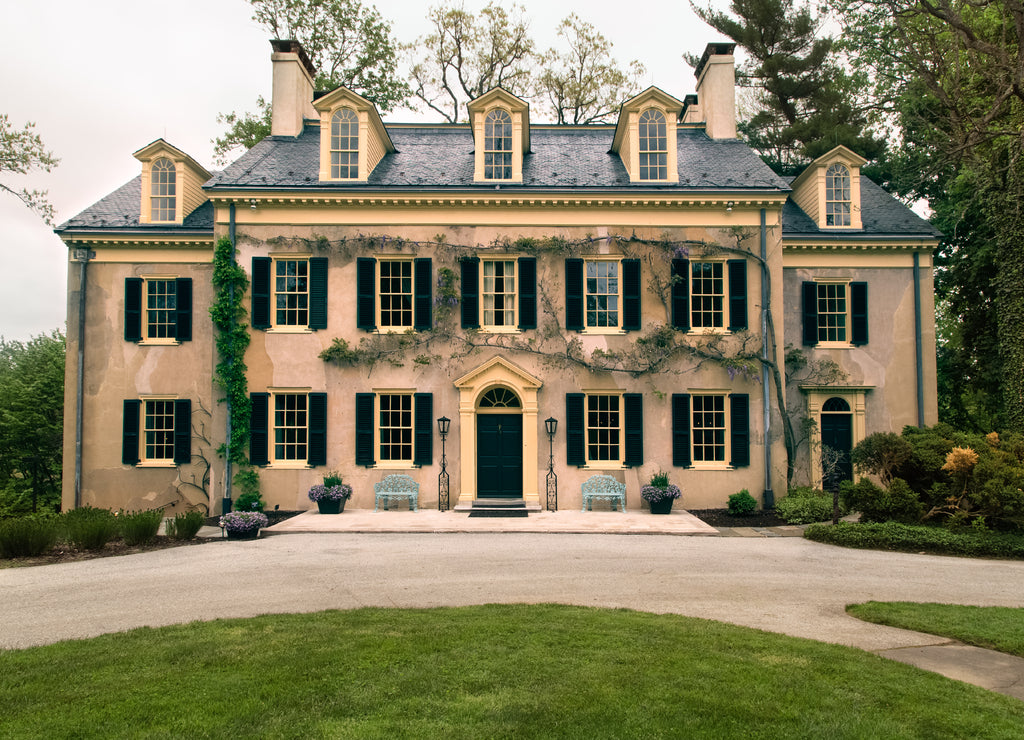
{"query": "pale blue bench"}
{"type": "Point", "coordinates": [397, 487]}
{"type": "Point", "coordinates": [603, 488]}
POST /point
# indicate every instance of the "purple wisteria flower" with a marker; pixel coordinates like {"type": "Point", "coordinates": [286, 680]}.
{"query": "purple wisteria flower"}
{"type": "Point", "coordinates": [654, 494]}
{"type": "Point", "coordinates": [243, 521]}
{"type": "Point", "coordinates": [340, 492]}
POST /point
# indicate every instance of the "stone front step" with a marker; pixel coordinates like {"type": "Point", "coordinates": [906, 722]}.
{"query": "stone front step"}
{"type": "Point", "coordinates": [499, 507]}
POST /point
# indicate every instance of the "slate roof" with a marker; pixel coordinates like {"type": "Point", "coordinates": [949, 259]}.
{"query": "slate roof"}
{"type": "Point", "coordinates": [120, 210]}
{"type": "Point", "coordinates": [881, 215]}
{"type": "Point", "coordinates": [440, 157]}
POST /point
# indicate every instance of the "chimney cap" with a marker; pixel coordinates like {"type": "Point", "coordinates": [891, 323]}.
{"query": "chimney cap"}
{"type": "Point", "coordinates": [720, 48]}
{"type": "Point", "coordinates": [291, 46]}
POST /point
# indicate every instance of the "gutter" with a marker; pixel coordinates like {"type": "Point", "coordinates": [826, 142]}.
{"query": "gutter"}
{"type": "Point", "coordinates": [226, 501]}
{"type": "Point", "coordinates": [768, 498]}
{"type": "Point", "coordinates": [918, 340]}
{"type": "Point", "coordinates": [83, 256]}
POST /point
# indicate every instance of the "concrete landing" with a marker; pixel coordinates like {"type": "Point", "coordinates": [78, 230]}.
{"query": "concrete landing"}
{"type": "Point", "coordinates": [989, 669]}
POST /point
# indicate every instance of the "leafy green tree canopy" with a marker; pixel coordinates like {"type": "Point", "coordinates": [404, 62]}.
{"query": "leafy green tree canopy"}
{"type": "Point", "coordinates": [21, 151]}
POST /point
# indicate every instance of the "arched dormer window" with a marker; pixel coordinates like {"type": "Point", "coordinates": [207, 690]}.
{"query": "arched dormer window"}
{"type": "Point", "coordinates": [838, 198]}
{"type": "Point", "coordinates": [653, 145]}
{"type": "Point", "coordinates": [163, 191]}
{"type": "Point", "coordinates": [344, 145]}
{"type": "Point", "coordinates": [498, 145]}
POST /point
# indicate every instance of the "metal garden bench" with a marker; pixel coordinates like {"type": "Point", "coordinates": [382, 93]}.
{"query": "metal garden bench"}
{"type": "Point", "coordinates": [603, 488]}
{"type": "Point", "coordinates": [396, 487]}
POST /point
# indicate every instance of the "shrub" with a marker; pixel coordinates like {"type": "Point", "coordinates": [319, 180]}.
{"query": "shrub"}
{"type": "Point", "coordinates": [185, 525]}
{"type": "Point", "coordinates": [140, 527]}
{"type": "Point", "coordinates": [89, 529]}
{"type": "Point", "coordinates": [804, 505]}
{"type": "Point", "coordinates": [332, 479]}
{"type": "Point", "coordinates": [249, 502]}
{"type": "Point", "coordinates": [659, 479]}
{"type": "Point", "coordinates": [27, 536]}
{"type": "Point", "coordinates": [918, 538]}
{"type": "Point", "coordinates": [897, 504]}
{"type": "Point", "coordinates": [742, 503]}
{"type": "Point", "coordinates": [881, 454]}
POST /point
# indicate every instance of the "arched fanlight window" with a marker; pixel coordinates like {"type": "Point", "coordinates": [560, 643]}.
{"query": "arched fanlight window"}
{"type": "Point", "coordinates": [163, 191]}
{"type": "Point", "coordinates": [838, 199]}
{"type": "Point", "coordinates": [836, 405]}
{"type": "Point", "coordinates": [500, 398]}
{"type": "Point", "coordinates": [653, 145]}
{"type": "Point", "coordinates": [344, 145]}
{"type": "Point", "coordinates": [498, 145]}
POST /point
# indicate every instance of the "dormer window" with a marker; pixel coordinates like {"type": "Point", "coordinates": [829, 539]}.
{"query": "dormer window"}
{"type": "Point", "coordinates": [498, 145]}
{"type": "Point", "coordinates": [838, 198]}
{"type": "Point", "coordinates": [163, 191]}
{"type": "Point", "coordinates": [653, 145]}
{"type": "Point", "coordinates": [345, 145]}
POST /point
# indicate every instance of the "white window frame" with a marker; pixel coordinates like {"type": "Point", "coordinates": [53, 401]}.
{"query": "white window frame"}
{"type": "Point", "coordinates": [722, 311]}
{"type": "Point", "coordinates": [835, 216]}
{"type": "Point", "coordinates": [163, 190]}
{"type": "Point", "coordinates": [503, 152]}
{"type": "Point", "coordinates": [379, 429]}
{"type": "Point", "coordinates": [349, 118]}
{"type": "Point", "coordinates": [726, 445]}
{"type": "Point", "coordinates": [407, 263]}
{"type": "Point", "coordinates": [145, 460]}
{"type": "Point", "coordinates": [510, 295]}
{"type": "Point", "coordinates": [272, 428]}
{"type": "Point", "coordinates": [597, 329]}
{"type": "Point", "coordinates": [275, 325]}
{"type": "Point", "coordinates": [847, 316]}
{"type": "Point", "coordinates": [652, 118]}
{"type": "Point", "coordinates": [616, 463]}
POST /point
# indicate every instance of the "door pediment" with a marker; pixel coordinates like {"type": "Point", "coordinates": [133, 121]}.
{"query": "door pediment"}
{"type": "Point", "coordinates": [498, 371]}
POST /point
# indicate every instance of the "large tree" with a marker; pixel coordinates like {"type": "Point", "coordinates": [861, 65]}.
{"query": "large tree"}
{"type": "Point", "coordinates": [21, 151]}
{"type": "Point", "coordinates": [31, 423]}
{"type": "Point", "coordinates": [952, 75]}
{"type": "Point", "coordinates": [349, 44]}
{"type": "Point", "coordinates": [805, 102]}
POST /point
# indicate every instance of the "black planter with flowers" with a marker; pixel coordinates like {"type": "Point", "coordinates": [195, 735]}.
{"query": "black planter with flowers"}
{"type": "Point", "coordinates": [331, 495]}
{"type": "Point", "coordinates": [243, 525]}
{"type": "Point", "coordinates": [660, 494]}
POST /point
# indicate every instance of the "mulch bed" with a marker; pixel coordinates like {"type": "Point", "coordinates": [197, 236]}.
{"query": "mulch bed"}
{"type": "Point", "coordinates": [722, 518]}
{"type": "Point", "coordinates": [67, 553]}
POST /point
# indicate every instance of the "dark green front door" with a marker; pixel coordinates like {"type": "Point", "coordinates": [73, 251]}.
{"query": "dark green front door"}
{"type": "Point", "coordinates": [499, 456]}
{"type": "Point", "coordinates": [837, 433]}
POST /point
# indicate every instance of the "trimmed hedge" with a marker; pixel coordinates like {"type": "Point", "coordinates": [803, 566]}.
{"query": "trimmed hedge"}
{"type": "Point", "coordinates": [806, 505]}
{"type": "Point", "coordinates": [917, 538]}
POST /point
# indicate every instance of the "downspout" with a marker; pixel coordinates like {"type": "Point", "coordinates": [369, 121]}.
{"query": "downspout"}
{"type": "Point", "coordinates": [226, 501]}
{"type": "Point", "coordinates": [918, 340]}
{"type": "Point", "coordinates": [83, 256]}
{"type": "Point", "coordinates": [768, 499]}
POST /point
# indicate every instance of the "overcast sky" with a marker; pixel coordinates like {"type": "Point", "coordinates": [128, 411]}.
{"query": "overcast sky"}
{"type": "Point", "coordinates": [102, 79]}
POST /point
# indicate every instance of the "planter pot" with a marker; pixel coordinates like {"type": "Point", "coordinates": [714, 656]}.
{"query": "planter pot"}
{"type": "Point", "coordinates": [250, 534]}
{"type": "Point", "coordinates": [331, 506]}
{"type": "Point", "coordinates": [662, 507]}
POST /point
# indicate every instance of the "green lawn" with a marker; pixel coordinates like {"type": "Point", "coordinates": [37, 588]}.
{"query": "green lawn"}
{"type": "Point", "coordinates": [480, 672]}
{"type": "Point", "coordinates": [996, 627]}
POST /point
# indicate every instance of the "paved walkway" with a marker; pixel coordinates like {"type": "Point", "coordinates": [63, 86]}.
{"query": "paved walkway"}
{"type": "Point", "coordinates": [777, 583]}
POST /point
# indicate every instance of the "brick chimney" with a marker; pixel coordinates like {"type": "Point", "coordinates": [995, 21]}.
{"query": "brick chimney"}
{"type": "Point", "coordinates": [716, 90]}
{"type": "Point", "coordinates": [292, 99]}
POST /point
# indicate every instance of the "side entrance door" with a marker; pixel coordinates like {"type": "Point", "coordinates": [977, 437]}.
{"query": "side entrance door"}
{"type": "Point", "coordinates": [499, 455]}
{"type": "Point", "coordinates": [837, 433]}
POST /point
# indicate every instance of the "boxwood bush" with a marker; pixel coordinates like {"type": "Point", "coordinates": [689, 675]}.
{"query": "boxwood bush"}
{"type": "Point", "coordinates": [918, 538]}
{"type": "Point", "coordinates": [742, 503]}
{"type": "Point", "coordinates": [805, 505]}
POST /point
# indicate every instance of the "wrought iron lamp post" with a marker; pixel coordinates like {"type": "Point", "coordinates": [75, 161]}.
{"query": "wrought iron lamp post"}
{"type": "Point", "coordinates": [551, 425]}
{"type": "Point", "coordinates": [443, 424]}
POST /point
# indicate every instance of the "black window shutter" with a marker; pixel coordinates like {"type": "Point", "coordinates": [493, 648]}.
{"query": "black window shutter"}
{"type": "Point", "coordinates": [366, 294]}
{"type": "Point", "coordinates": [859, 313]}
{"type": "Point", "coordinates": [318, 293]}
{"type": "Point", "coordinates": [574, 294]}
{"type": "Point", "coordinates": [631, 290]}
{"type": "Point", "coordinates": [423, 432]}
{"type": "Point", "coordinates": [423, 293]}
{"type": "Point", "coordinates": [681, 430]}
{"type": "Point", "coordinates": [259, 434]}
{"type": "Point", "coordinates": [364, 429]}
{"type": "Point", "coordinates": [183, 309]}
{"type": "Point", "coordinates": [132, 309]}
{"type": "Point", "coordinates": [681, 294]}
{"type": "Point", "coordinates": [737, 295]}
{"type": "Point", "coordinates": [739, 421]}
{"type": "Point", "coordinates": [527, 292]}
{"type": "Point", "coordinates": [810, 311]}
{"type": "Point", "coordinates": [470, 282]}
{"type": "Point", "coordinates": [182, 431]}
{"type": "Point", "coordinates": [634, 419]}
{"type": "Point", "coordinates": [130, 432]}
{"type": "Point", "coordinates": [261, 292]}
{"type": "Point", "coordinates": [574, 431]}
{"type": "Point", "coordinates": [316, 454]}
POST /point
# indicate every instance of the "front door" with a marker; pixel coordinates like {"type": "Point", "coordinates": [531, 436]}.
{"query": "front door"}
{"type": "Point", "coordinates": [499, 455]}
{"type": "Point", "coordinates": [837, 433]}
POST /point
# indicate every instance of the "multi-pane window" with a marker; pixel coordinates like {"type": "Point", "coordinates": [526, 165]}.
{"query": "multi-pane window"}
{"type": "Point", "coordinates": [838, 199]}
{"type": "Point", "coordinates": [395, 427]}
{"type": "Point", "coordinates": [832, 312]}
{"type": "Point", "coordinates": [291, 292]}
{"type": "Point", "coordinates": [708, 428]}
{"type": "Point", "coordinates": [161, 309]}
{"type": "Point", "coordinates": [653, 145]}
{"type": "Point", "coordinates": [498, 145]}
{"type": "Point", "coordinates": [344, 145]}
{"type": "Point", "coordinates": [499, 293]}
{"type": "Point", "coordinates": [603, 291]}
{"type": "Point", "coordinates": [163, 191]}
{"type": "Point", "coordinates": [396, 294]}
{"type": "Point", "coordinates": [604, 428]}
{"type": "Point", "coordinates": [291, 429]}
{"type": "Point", "coordinates": [158, 430]}
{"type": "Point", "coordinates": [707, 295]}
